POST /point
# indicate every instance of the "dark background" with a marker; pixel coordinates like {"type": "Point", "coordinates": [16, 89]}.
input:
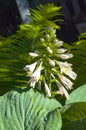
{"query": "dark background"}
{"type": "Point", "coordinates": [10, 20]}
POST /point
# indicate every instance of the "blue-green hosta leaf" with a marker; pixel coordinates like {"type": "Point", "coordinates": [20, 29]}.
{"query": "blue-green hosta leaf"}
{"type": "Point", "coordinates": [24, 109]}
{"type": "Point", "coordinates": [74, 116]}
{"type": "Point", "coordinates": [78, 95]}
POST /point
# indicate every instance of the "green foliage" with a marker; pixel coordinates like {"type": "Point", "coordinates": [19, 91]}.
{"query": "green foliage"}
{"type": "Point", "coordinates": [74, 117]}
{"type": "Point", "coordinates": [74, 112]}
{"type": "Point", "coordinates": [44, 14]}
{"type": "Point", "coordinates": [28, 109]}
{"type": "Point", "coordinates": [78, 95]}
{"type": "Point", "coordinates": [79, 60]}
{"type": "Point", "coordinates": [13, 57]}
{"type": "Point", "coordinates": [24, 109]}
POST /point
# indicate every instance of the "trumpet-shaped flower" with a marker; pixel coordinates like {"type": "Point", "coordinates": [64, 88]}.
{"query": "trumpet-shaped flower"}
{"type": "Point", "coordinates": [67, 69]}
{"type": "Point", "coordinates": [30, 68]}
{"type": "Point", "coordinates": [37, 73]}
{"type": "Point", "coordinates": [47, 90]}
{"type": "Point", "coordinates": [35, 76]}
{"type": "Point", "coordinates": [62, 90]}
{"type": "Point", "coordinates": [71, 74]}
{"type": "Point", "coordinates": [32, 82]}
{"type": "Point", "coordinates": [65, 81]}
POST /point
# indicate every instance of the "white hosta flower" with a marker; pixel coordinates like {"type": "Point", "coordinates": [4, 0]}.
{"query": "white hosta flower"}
{"type": "Point", "coordinates": [42, 39]}
{"type": "Point", "coordinates": [52, 63]}
{"type": "Point", "coordinates": [30, 68]}
{"type": "Point", "coordinates": [71, 74]}
{"type": "Point", "coordinates": [58, 43]}
{"type": "Point", "coordinates": [65, 56]}
{"type": "Point", "coordinates": [62, 50]}
{"type": "Point", "coordinates": [47, 90]}
{"type": "Point", "coordinates": [36, 74]}
{"type": "Point", "coordinates": [67, 69]}
{"type": "Point", "coordinates": [49, 50]}
{"type": "Point", "coordinates": [62, 90]}
{"type": "Point", "coordinates": [32, 82]}
{"type": "Point", "coordinates": [64, 64]}
{"type": "Point", "coordinates": [33, 54]}
{"type": "Point", "coordinates": [65, 81]}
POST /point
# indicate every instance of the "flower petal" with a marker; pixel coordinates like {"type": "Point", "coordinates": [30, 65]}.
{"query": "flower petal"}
{"type": "Point", "coordinates": [67, 69]}
{"type": "Point", "coordinates": [65, 81]}
{"type": "Point", "coordinates": [58, 43]}
{"type": "Point", "coordinates": [61, 50]}
{"type": "Point", "coordinates": [30, 67]}
{"type": "Point", "coordinates": [49, 50]}
{"type": "Point", "coordinates": [33, 54]}
{"type": "Point", "coordinates": [47, 90]}
{"type": "Point", "coordinates": [32, 82]}
{"type": "Point", "coordinates": [65, 56]}
{"type": "Point", "coordinates": [37, 73]}
{"type": "Point", "coordinates": [71, 74]}
{"type": "Point", "coordinates": [52, 63]}
{"type": "Point", "coordinates": [62, 90]}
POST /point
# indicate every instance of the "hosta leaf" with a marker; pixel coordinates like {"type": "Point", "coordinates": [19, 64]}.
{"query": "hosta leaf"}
{"type": "Point", "coordinates": [74, 116]}
{"type": "Point", "coordinates": [78, 95]}
{"type": "Point", "coordinates": [24, 109]}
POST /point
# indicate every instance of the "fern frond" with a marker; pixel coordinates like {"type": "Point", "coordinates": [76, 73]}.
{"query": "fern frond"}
{"type": "Point", "coordinates": [13, 57]}
{"type": "Point", "coordinates": [45, 13]}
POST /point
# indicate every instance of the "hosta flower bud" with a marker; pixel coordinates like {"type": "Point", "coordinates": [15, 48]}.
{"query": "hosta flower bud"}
{"type": "Point", "coordinates": [49, 50]}
{"type": "Point", "coordinates": [58, 43]}
{"type": "Point", "coordinates": [42, 39]}
{"type": "Point", "coordinates": [65, 56]}
{"type": "Point", "coordinates": [33, 54]}
{"type": "Point", "coordinates": [61, 50]}
{"type": "Point", "coordinates": [47, 90]}
{"type": "Point", "coordinates": [52, 63]}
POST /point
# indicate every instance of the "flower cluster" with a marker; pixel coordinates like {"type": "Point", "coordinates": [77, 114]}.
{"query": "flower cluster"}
{"type": "Point", "coordinates": [50, 68]}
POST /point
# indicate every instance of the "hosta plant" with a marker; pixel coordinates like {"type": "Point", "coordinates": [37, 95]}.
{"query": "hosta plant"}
{"type": "Point", "coordinates": [39, 65]}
